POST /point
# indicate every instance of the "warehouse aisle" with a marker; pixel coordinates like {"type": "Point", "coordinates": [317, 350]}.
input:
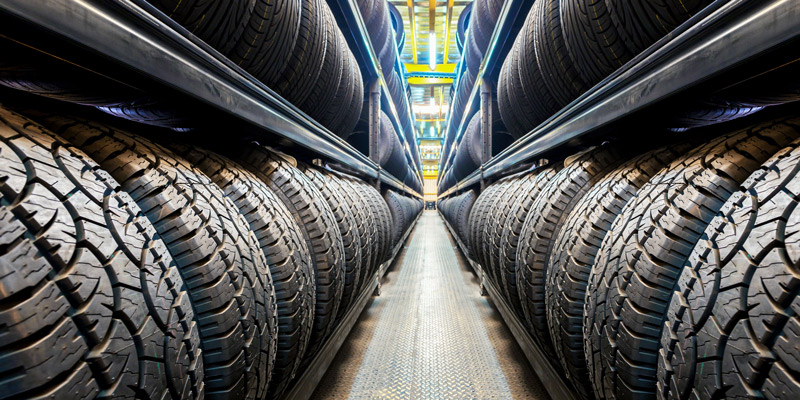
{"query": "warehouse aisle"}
{"type": "Point", "coordinates": [430, 335]}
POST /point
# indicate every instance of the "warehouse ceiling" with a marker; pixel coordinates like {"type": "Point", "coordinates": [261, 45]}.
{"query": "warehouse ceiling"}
{"type": "Point", "coordinates": [430, 49]}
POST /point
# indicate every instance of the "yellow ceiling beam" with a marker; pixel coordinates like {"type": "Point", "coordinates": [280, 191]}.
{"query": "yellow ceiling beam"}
{"type": "Point", "coordinates": [448, 20]}
{"type": "Point", "coordinates": [424, 81]}
{"type": "Point", "coordinates": [411, 18]}
{"type": "Point", "coordinates": [440, 68]}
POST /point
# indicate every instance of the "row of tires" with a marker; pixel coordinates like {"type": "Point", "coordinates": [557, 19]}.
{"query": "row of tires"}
{"type": "Point", "coordinates": [377, 15]}
{"type": "Point", "coordinates": [296, 49]}
{"type": "Point", "coordinates": [135, 268]}
{"type": "Point", "coordinates": [668, 273]}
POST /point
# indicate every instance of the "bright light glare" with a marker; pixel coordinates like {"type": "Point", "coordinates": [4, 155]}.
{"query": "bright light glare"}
{"type": "Point", "coordinates": [432, 49]}
{"type": "Point", "coordinates": [433, 132]}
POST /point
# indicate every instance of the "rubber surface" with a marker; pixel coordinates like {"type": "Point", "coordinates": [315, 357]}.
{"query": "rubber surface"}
{"type": "Point", "coordinates": [219, 23]}
{"type": "Point", "coordinates": [217, 255]}
{"type": "Point", "coordinates": [732, 324]}
{"type": "Point", "coordinates": [574, 254]}
{"type": "Point", "coordinates": [285, 250]}
{"type": "Point", "coordinates": [317, 224]}
{"type": "Point", "coordinates": [84, 277]}
{"type": "Point", "coordinates": [638, 264]}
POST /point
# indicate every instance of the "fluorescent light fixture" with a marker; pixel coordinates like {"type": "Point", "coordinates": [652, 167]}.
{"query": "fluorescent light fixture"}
{"type": "Point", "coordinates": [433, 132]}
{"type": "Point", "coordinates": [432, 51]}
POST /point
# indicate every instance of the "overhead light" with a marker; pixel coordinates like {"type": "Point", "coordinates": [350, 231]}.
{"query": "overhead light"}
{"type": "Point", "coordinates": [433, 132]}
{"type": "Point", "coordinates": [432, 51]}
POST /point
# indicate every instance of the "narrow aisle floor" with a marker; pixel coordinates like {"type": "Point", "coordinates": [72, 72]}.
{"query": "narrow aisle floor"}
{"type": "Point", "coordinates": [430, 335]}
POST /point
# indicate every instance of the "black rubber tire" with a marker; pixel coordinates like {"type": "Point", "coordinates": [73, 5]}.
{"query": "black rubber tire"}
{"type": "Point", "coordinates": [544, 221]}
{"type": "Point", "coordinates": [731, 329]}
{"type": "Point", "coordinates": [219, 23]}
{"type": "Point", "coordinates": [327, 83]}
{"type": "Point", "coordinates": [484, 220]}
{"type": "Point", "coordinates": [305, 65]}
{"type": "Point", "coordinates": [348, 230]}
{"type": "Point", "coordinates": [557, 66]}
{"type": "Point", "coordinates": [531, 100]}
{"type": "Point", "coordinates": [31, 71]}
{"type": "Point", "coordinates": [317, 224]}
{"type": "Point", "coordinates": [285, 250]}
{"type": "Point", "coordinates": [574, 254]}
{"type": "Point", "coordinates": [497, 227]}
{"type": "Point", "coordinates": [224, 269]}
{"type": "Point", "coordinates": [504, 101]}
{"type": "Point", "coordinates": [366, 226]}
{"type": "Point", "coordinates": [462, 26]}
{"type": "Point", "coordinates": [641, 23]}
{"type": "Point", "coordinates": [513, 223]}
{"type": "Point", "coordinates": [710, 111]}
{"type": "Point", "coordinates": [636, 270]}
{"type": "Point", "coordinates": [268, 39]}
{"type": "Point", "coordinates": [478, 210]}
{"type": "Point", "coordinates": [387, 53]}
{"type": "Point", "coordinates": [70, 315]}
{"type": "Point", "coordinates": [351, 111]}
{"type": "Point", "coordinates": [380, 213]}
{"type": "Point", "coordinates": [592, 39]}
{"type": "Point", "coordinates": [400, 217]}
{"type": "Point", "coordinates": [462, 213]}
{"type": "Point", "coordinates": [490, 222]}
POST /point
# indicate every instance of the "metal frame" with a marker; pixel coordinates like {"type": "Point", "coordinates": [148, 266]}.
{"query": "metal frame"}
{"type": "Point", "coordinates": [735, 32]}
{"type": "Point", "coordinates": [134, 34]}
{"type": "Point", "coordinates": [552, 381]}
{"type": "Point", "coordinates": [303, 386]}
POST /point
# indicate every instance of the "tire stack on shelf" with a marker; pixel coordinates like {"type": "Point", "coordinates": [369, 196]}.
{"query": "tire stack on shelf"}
{"type": "Point", "coordinates": [456, 210]}
{"type": "Point", "coordinates": [297, 50]}
{"type": "Point", "coordinates": [404, 211]}
{"type": "Point", "coordinates": [218, 275]}
{"type": "Point", "coordinates": [566, 47]}
{"type": "Point", "coordinates": [665, 271]}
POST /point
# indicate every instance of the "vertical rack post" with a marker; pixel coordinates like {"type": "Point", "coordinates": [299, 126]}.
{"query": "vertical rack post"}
{"type": "Point", "coordinates": [486, 126]}
{"type": "Point", "coordinates": [375, 126]}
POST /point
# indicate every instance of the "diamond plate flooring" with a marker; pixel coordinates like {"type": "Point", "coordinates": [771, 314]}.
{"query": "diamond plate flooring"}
{"type": "Point", "coordinates": [430, 335]}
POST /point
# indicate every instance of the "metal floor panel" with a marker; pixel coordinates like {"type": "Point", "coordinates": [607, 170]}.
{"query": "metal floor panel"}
{"type": "Point", "coordinates": [430, 335]}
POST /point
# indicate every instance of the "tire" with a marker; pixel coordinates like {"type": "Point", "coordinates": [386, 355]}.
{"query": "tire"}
{"type": "Point", "coordinates": [215, 251]}
{"type": "Point", "coordinates": [285, 250]}
{"type": "Point", "coordinates": [219, 23]}
{"type": "Point", "coordinates": [381, 214]}
{"type": "Point", "coordinates": [485, 218]}
{"type": "Point", "coordinates": [345, 221]}
{"type": "Point", "coordinates": [366, 226]}
{"type": "Point", "coordinates": [462, 213]}
{"type": "Point", "coordinates": [268, 39]}
{"type": "Point", "coordinates": [399, 214]}
{"type": "Point", "coordinates": [533, 103]}
{"type": "Point", "coordinates": [498, 226]}
{"type": "Point", "coordinates": [478, 211]}
{"type": "Point", "coordinates": [330, 78]}
{"type": "Point", "coordinates": [70, 316]}
{"type": "Point", "coordinates": [488, 225]}
{"type": "Point", "coordinates": [628, 292]}
{"type": "Point", "coordinates": [305, 65]}
{"type": "Point", "coordinates": [352, 113]}
{"type": "Point", "coordinates": [544, 221]}
{"type": "Point", "coordinates": [711, 111]}
{"type": "Point", "coordinates": [575, 250]}
{"type": "Point", "coordinates": [504, 101]}
{"type": "Point", "coordinates": [731, 324]}
{"type": "Point", "coordinates": [509, 241]}
{"type": "Point", "coordinates": [558, 69]}
{"type": "Point", "coordinates": [592, 39]}
{"type": "Point", "coordinates": [318, 226]}
{"type": "Point", "coordinates": [641, 23]}
{"type": "Point", "coordinates": [153, 111]}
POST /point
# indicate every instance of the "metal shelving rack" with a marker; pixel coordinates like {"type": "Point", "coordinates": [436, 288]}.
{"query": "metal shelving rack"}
{"type": "Point", "coordinates": [136, 36]}
{"type": "Point", "coordinates": [735, 32]}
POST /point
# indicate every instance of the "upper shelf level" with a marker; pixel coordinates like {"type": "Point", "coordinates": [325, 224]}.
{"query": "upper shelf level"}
{"type": "Point", "coordinates": [735, 32]}
{"type": "Point", "coordinates": [129, 33]}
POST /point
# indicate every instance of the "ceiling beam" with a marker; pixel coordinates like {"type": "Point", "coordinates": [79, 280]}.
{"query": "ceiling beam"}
{"type": "Point", "coordinates": [411, 18]}
{"type": "Point", "coordinates": [448, 20]}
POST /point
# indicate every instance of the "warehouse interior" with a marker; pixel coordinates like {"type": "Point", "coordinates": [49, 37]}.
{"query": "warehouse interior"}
{"type": "Point", "coordinates": [399, 199]}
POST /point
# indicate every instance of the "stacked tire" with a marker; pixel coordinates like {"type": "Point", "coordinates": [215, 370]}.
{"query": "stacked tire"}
{"type": "Point", "coordinates": [404, 211]}
{"type": "Point", "coordinates": [178, 271]}
{"type": "Point", "coordinates": [566, 47]}
{"type": "Point", "coordinates": [653, 272]}
{"type": "Point", "coordinates": [296, 49]}
{"type": "Point", "coordinates": [456, 210]}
